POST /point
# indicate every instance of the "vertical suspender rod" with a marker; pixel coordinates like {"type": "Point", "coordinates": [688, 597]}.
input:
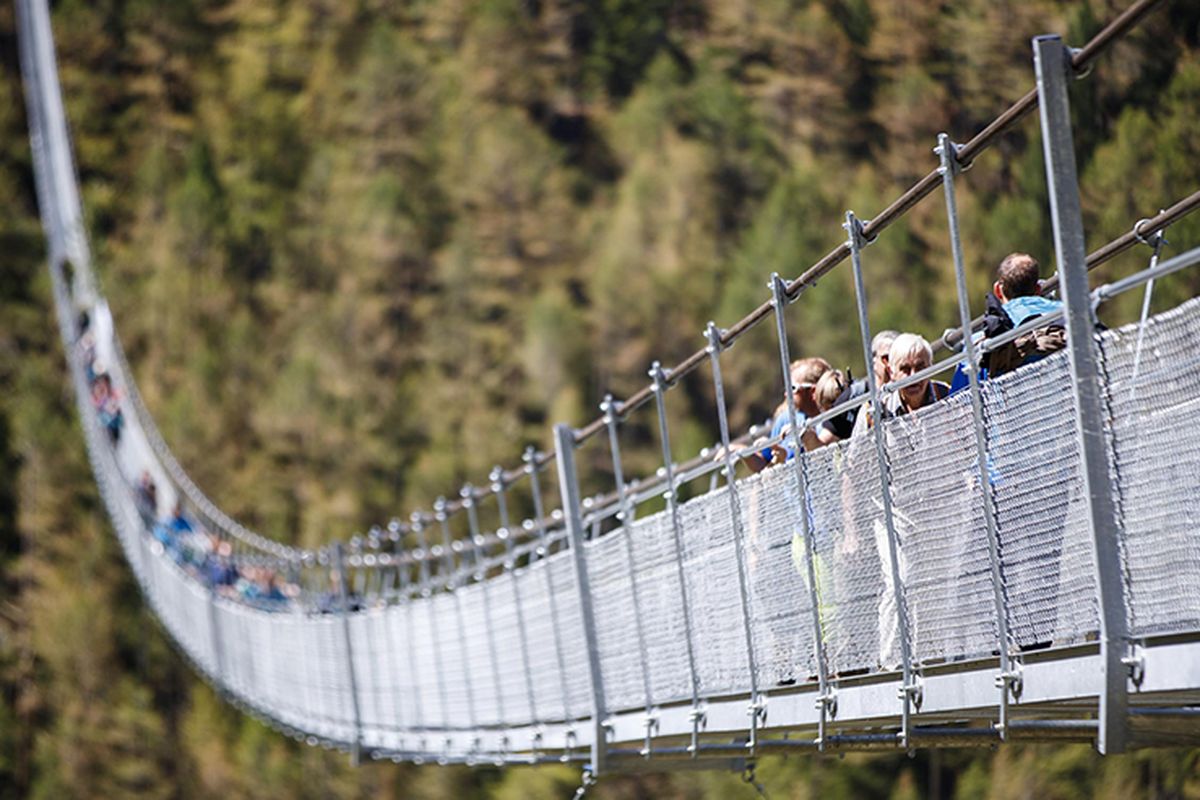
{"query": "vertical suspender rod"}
{"type": "Point", "coordinates": [910, 688]}
{"type": "Point", "coordinates": [468, 498]}
{"type": "Point", "coordinates": [406, 592]}
{"type": "Point", "coordinates": [826, 702]}
{"type": "Point", "coordinates": [339, 565]}
{"type": "Point", "coordinates": [443, 521]}
{"type": "Point", "coordinates": [1009, 678]}
{"type": "Point", "coordinates": [510, 565]}
{"type": "Point", "coordinates": [426, 592]}
{"type": "Point", "coordinates": [671, 496]}
{"type": "Point", "coordinates": [539, 519]}
{"type": "Point", "coordinates": [626, 514]}
{"type": "Point", "coordinates": [564, 447]}
{"type": "Point", "coordinates": [756, 701]}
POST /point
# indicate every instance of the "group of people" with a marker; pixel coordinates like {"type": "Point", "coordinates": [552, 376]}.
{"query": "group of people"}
{"type": "Point", "coordinates": [849, 533]}
{"type": "Point", "coordinates": [207, 557]}
{"type": "Point", "coordinates": [816, 388]}
{"type": "Point", "coordinates": [203, 554]}
{"type": "Point", "coordinates": [106, 401]}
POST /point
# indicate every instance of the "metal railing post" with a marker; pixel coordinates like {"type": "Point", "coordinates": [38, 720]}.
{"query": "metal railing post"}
{"type": "Point", "coordinates": [910, 689]}
{"type": "Point", "coordinates": [670, 495]}
{"type": "Point", "coordinates": [1008, 679]}
{"type": "Point", "coordinates": [443, 520]}
{"type": "Point", "coordinates": [418, 528]}
{"type": "Point", "coordinates": [539, 520]}
{"type": "Point", "coordinates": [568, 485]}
{"type": "Point", "coordinates": [626, 516]}
{"type": "Point", "coordinates": [757, 707]}
{"type": "Point", "coordinates": [339, 566]}
{"type": "Point", "coordinates": [468, 499]}
{"type": "Point", "coordinates": [1053, 63]}
{"type": "Point", "coordinates": [215, 631]}
{"type": "Point", "coordinates": [410, 648]}
{"type": "Point", "coordinates": [826, 700]}
{"type": "Point", "coordinates": [371, 683]}
{"type": "Point", "coordinates": [389, 635]}
{"type": "Point", "coordinates": [510, 566]}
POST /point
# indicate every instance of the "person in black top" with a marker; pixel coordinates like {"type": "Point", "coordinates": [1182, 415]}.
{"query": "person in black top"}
{"type": "Point", "coordinates": [835, 388]}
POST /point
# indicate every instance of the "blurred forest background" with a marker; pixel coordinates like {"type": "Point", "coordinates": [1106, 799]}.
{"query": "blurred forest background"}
{"type": "Point", "coordinates": [360, 251]}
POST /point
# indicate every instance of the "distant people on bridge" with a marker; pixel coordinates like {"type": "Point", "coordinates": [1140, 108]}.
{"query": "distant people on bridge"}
{"type": "Point", "coordinates": [203, 555]}
{"type": "Point", "coordinates": [85, 347]}
{"type": "Point", "coordinates": [219, 571]}
{"type": "Point", "coordinates": [146, 497]}
{"type": "Point", "coordinates": [261, 587]}
{"type": "Point", "coordinates": [180, 537]}
{"type": "Point", "coordinates": [881, 353]}
{"type": "Point", "coordinates": [817, 388]}
{"type": "Point", "coordinates": [107, 404]}
{"type": "Point", "coordinates": [837, 387]}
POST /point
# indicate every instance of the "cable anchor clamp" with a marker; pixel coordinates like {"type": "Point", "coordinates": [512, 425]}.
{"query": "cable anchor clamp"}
{"type": "Point", "coordinates": [1136, 663]}
{"type": "Point", "coordinates": [1013, 680]}
{"type": "Point", "coordinates": [611, 409]}
{"type": "Point", "coordinates": [699, 719]}
{"type": "Point", "coordinates": [951, 149]}
{"type": "Point", "coordinates": [1078, 72]}
{"type": "Point", "coordinates": [570, 742]}
{"type": "Point", "coordinates": [659, 377]}
{"type": "Point", "coordinates": [912, 691]}
{"type": "Point", "coordinates": [496, 479]}
{"type": "Point", "coordinates": [779, 292]}
{"type": "Point", "coordinates": [757, 710]}
{"type": "Point", "coordinates": [1154, 239]}
{"type": "Point", "coordinates": [827, 702]}
{"type": "Point", "coordinates": [650, 723]}
{"type": "Point", "coordinates": [714, 336]}
{"type": "Point", "coordinates": [856, 231]}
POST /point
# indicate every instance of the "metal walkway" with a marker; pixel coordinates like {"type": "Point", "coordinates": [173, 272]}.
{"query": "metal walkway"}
{"type": "Point", "coordinates": [1019, 561]}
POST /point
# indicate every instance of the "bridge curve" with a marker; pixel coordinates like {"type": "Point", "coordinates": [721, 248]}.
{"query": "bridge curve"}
{"type": "Point", "coordinates": [947, 581]}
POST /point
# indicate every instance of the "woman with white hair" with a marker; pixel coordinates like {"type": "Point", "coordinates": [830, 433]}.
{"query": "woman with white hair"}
{"type": "Point", "coordinates": [909, 355]}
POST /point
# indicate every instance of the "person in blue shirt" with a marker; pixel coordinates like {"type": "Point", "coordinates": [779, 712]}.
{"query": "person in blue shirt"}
{"type": "Point", "coordinates": [1019, 290]}
{"type": "Point", "coordinates": [1016, 298]}
{"type": "Point", "coordinates": [805, 373]}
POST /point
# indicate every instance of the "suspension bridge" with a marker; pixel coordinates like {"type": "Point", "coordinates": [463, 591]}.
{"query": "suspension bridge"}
{"type": "Point", "coordinates": [1016, 562]}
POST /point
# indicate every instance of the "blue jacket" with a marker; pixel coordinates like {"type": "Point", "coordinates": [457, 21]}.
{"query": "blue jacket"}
{"type": "Point", "coordinates": [1019, 309]}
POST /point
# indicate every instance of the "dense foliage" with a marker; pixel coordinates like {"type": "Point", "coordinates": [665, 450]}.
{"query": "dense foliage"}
{"type": "Point", "coordinates": [362, 251]}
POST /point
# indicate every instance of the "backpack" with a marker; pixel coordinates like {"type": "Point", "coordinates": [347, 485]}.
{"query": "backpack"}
{"type": "Point", "coordinates": [1027, 348]}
